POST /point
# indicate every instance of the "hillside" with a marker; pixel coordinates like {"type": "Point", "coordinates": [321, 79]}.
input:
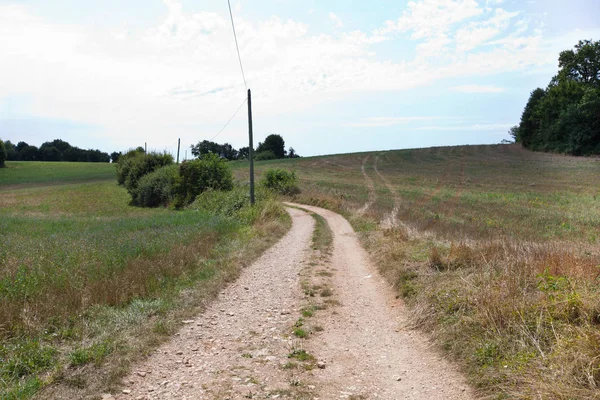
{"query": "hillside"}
{"type": "Point", "coordinates": [495, 249]}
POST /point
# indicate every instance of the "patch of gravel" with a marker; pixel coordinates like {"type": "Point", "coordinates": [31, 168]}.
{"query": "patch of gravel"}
{"type": "Point", "coordinates": [237, 348]}
{"type": "Point", "coordinates": [365, 346]}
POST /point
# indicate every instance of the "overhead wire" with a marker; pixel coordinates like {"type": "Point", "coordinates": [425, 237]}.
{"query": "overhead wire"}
{"type": "Point", "coordinates": [236, 44]}
{"type": "Point", "coordinates": [230, 119]}
{"type": "Point", "coordinates": [241, 68]}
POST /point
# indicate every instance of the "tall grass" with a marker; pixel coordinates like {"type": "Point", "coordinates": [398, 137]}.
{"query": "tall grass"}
{"type": "Point", "coordinates": [87, 278]}
{"type": "Point", "coordinates": [496, 251]}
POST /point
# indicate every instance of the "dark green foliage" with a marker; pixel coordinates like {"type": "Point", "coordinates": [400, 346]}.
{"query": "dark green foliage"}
{"type": "Point", "coordinates": [2, 154]}
{"type": "Point", "coordinates": [224, 150]}
{"type": "Point", "coordinates": [207, 172]}
{"type": "Point", "coordinates": [125, 164]}
{"type": "Point", "coordinates": [265, 156]}
{"type": "Point", "coordinates": [274, 143]}
{"type": "Point", "coordinates": [565, 117]}
{"type": "Point", "coordinates": [28, 153]}
{"type": "Point", "coordinates": [281, 181]}
{"type": "Point", "coordinates": [582, 64]}
{"type": "Point", "coordinates": [244, 153]}
{"type": "Point", "coordinates": [292, 153]}
{"type": "Point", "coordinates": [156, 188]}
{"type": "Point", "coordinates": [531, 120]}
{"type": "Point", "coordinates": [114, 156]}
{"type": "Point", "coordinates": [57, 150]}
{"type": "Point", "coordinates": [144, 164]}
{"type": "Point", "coordinates": [11, 151]}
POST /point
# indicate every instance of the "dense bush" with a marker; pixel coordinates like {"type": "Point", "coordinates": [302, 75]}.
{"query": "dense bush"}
{"type": "Point", "coordinates": [281, 181]}
{"type": "Point", "coordinates": [234, 203]}
{"type": "Point", "coordinates": [2, 154]}
{"type": "Point", "coordinates": [124, 165]}
{"type": "Point", "coordinates": [156, 188]}
{"type": "Point", "coordinates": [264, 156]}
{"type": "Point", "coordinates": [142, 164]}
{"type": "Point", "coordinates": [207, 172]}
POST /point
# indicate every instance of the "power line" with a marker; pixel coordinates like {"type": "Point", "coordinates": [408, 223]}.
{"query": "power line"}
{"type": "Point", "coordinates": [236, 44]}
{"type": "Point", "coordinates": [230, 119]}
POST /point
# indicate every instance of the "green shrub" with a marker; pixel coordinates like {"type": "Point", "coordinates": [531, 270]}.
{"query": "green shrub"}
{"type": "Point", "coordinates": [125, 163]}
{"type": "Point", "coordinates": [156, 188]}
{"type": "Point", "coordinates": [265, 155]}
{"type": "Point", "coordinates": [281, 181]}
{"type": "Point", "coordinates": [143, 165]}
{"type": "Point", "coordinates": [198, 176]}
{"type": "Point", "coordinates": [2, 154]}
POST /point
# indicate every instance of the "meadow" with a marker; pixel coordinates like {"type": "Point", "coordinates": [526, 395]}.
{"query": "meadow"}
{"type": "Point", "coordinates": [89, 283]}
{"type": "Point", "coordinates": [495, 249]}
{"type": "Point", "coordinates": [39, 172]}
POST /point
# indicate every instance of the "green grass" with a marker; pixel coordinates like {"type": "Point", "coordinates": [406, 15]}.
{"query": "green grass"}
{"type": "Point", "coordinates": [38, 172]}
{"type": "Point", "coordinates": [86, 278]}
{"type": "Point", "coordinates": [496, 250]}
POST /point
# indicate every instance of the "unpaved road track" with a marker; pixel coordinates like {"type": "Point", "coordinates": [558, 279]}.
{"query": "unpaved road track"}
{"type": "Point", "coordinates": [239, 346]}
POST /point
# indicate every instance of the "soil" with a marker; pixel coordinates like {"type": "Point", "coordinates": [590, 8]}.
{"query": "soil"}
{"type": "Point", "coordinates": [242, 345]}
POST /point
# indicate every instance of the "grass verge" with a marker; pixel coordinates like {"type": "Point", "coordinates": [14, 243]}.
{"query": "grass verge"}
{"type": "Point", "coordinates": [495, 250]}
{"type": "Point", "coordinates": [86, 290]}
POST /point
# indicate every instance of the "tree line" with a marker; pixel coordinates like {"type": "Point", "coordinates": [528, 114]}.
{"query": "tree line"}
{"type": "Point", "coordinates": [565, 117]}
{"type": "Point", "coordinates": [56, 150]}
{"type": "Point", "coordinates": [271, 149]}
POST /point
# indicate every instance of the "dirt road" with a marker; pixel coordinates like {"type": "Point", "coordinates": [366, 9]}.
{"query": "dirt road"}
{"type": "Point", "coordinates": [241, 346]}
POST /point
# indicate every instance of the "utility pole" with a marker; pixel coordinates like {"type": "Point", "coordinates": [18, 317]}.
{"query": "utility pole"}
{"type": "Point", "coordinates": [178, 147]}
{"type": "Point", "coordinates": [251, 147]}
{"type": "Point", "coordinates": [145, 148]}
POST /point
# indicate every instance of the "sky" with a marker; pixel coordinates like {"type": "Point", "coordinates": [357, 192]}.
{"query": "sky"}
{"type": "Point", "coordinates": [332, 76]}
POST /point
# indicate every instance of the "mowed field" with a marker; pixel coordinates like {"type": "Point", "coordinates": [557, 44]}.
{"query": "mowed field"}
{"type": "Point", "coordinates": [495, 249]}
{"type": "Point", "coordinates": [89, 283]}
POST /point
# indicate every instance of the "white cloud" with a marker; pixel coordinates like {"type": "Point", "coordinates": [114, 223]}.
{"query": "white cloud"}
{"type": "Point", "coordinates": [336, 20]}
{"type": "Point", "coordinates": [183, 75]}
{"type": "Point", "coordinates": [477, 89]}
{"type": "Point", "coordinates": [429, 18]}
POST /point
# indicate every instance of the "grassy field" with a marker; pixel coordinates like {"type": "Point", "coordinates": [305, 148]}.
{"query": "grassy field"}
{"type": "Point", "coordinates": [495, 249]}
{"type": "Point", "coordinates": [25, 172]}
{"type": "Point", "coordinates": [89, 283]}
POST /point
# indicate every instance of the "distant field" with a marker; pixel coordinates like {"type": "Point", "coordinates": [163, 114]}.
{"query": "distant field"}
{"type": "Point", "coordinates": [87, 279]}
{"type": "Point", "coordinates": [34, 172]}
{"type": "Point", "coordinates": [496, 250]}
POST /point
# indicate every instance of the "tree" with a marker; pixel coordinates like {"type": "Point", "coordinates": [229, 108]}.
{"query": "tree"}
{"type": "Point", "coordinates": [222, 150]}
{"type": "Point", "coordinates": [28, 153]}
{"type": "Point", "coordinates": [11, 151]}
{"type": "Point", "coordinates": [581, 64]}
{"type": "Point", "coordinates": [49, 153]}
{"type": "Point", "coordinates": [514, 132]}
{"type": "Point", "coordinates": [530, 119]}
{"type": "Point", "coordinates": [273, 143]}
{"type": "Point", "coordinates": [114, 156]}
{"type": "Point", "coordinates": [292, 153]}
{"type": "Point", "coordinates": [2, 154]}
{"type": "Point", "coordinates": [244, 153]}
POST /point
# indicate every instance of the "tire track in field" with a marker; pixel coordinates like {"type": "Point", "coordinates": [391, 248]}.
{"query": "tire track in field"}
{"type": "Point", "coordinates": [372, 193]}
{"type": "Point", "coordinates": [438, 187]}
{"type": "Point", "coordinates": [390, 220]}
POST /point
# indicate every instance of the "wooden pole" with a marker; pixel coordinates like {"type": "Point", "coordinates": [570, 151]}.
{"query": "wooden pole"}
{"type": "Point", "coordinates": [178, 147]}
{"type": "Point", "coordinates": [251, 147]}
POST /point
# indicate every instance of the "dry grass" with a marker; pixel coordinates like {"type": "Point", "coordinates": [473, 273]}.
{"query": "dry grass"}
{"type": "Point", "coordinates": [88, 284]}
{"type": "Point", "coordinates": [495, 249]}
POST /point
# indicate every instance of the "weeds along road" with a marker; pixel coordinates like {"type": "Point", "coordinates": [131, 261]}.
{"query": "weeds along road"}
{"type": "Point", "coordinates": [299, 324]}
